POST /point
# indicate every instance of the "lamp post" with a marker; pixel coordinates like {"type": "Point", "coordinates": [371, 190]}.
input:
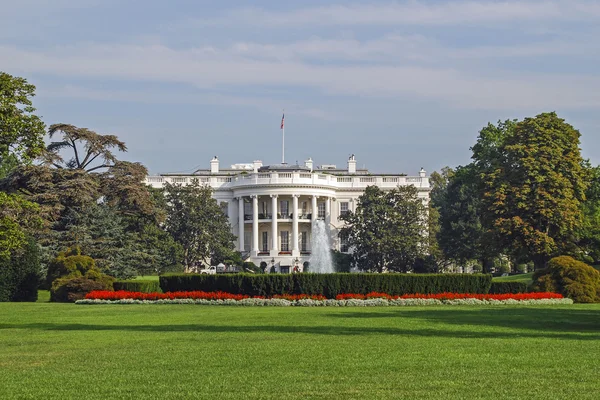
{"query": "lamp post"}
{"type": "Point", "coordinates": [296, 261]}
{"type": "Point", "coordinates": [272, 265]}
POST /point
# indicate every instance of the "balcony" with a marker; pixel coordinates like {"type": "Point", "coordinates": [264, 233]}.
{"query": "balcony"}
{"type": "Point", "coordinates": [285, 217]}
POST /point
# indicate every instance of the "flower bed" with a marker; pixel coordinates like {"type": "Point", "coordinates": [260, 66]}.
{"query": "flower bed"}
{"type": "Point", "coordinates": [342, 300]}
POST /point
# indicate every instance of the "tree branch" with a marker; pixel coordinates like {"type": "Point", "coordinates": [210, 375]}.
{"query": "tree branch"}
{"type": "Point", "coordinates": [76, 154]}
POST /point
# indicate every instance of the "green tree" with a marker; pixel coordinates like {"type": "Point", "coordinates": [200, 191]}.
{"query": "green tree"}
{"type": "Point", "coordinates": [21, 132]}
{"type": "Point", "coordinates": [462, 235]}
{"type": "Point", "coordinates": [588, 234]}
{"type": "Point", "coordinates": [534, 187]}
{"type": "Point", "coordinates": [91, 151]}
{"type": "Point", "coordinates": [18, 219]}
{"type": "Point", "coordinates": [197, 223]}
{"type": "Point", "coordinates": [388, 229]}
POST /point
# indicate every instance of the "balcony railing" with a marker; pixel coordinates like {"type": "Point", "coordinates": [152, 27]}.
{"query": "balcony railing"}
{"type": "Point", "coordinates": [295, 178]}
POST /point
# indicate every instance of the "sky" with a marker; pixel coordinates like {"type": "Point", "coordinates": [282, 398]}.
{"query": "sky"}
{"type": "Point", "coordinates": [400, 84]}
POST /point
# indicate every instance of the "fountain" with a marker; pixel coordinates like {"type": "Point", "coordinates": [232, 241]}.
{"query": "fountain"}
{"type": "Point", "coordinates": [320, 258]}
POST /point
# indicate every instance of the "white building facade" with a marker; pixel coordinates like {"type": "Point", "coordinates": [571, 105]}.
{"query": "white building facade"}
{"type": "Point", "coordinates": [272, 208]}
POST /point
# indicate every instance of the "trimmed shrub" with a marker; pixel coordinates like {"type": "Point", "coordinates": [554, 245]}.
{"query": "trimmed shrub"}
{"type": "Point", "coordinates": [137, 286]}
{"type": "Point", "coordinates": [329, 285]}
{"type": "Point", "coordinates": [71, 272]}
{"type": "Point", "coordinates": [508, 287]}
{"type": "Point", "coordinates": [569, 277]}
{"type": "Point", "coordinates": [73, 289]}
{"type": "Point", "coordinates": [19, 277]}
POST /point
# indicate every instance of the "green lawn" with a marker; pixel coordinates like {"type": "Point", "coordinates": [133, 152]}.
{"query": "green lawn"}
{"type": "Point", "coordinates": [514, 278]}
{"type": "Point", "coordinates": [146, 278]}
{"type": "Point", "coordinates": [64, 351]}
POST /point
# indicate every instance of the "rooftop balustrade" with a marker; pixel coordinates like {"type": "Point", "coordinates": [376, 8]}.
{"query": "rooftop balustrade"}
{"type": "Point", "coordinates": [291, 178]}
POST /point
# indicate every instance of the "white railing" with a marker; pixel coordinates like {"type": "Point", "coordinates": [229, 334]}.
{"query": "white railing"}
{"type": "Point", "coordinates": [295, 178]}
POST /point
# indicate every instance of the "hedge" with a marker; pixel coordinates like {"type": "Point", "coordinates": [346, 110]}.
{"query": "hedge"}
{"type": "Point", "coordinates": [137, 286]}
{"type": "Point", "coordinates": [508, 287]}
{"type": "Point", "coordinates": [19, 277]}
{"type": "Point", "coordinates": [330, 285]}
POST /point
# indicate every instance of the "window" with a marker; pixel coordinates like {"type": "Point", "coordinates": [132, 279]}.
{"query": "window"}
{"type": "Point", "coordinates": [321, 208]}
{"type": "Point", "coordinates": [304, 241]}
{"type": "Point", "coordinates": [284, 208]}
{"type": "Point", "coordinates": [247, 240]}
{"type": "Point", "coordinates": [285, 241]}
{"type": "Point", "coordinates": [344, 247]}
{"type": "Point", "coordinates": [265, 241]}
{"type": "Point", "coordinates": [343, 208]}
{"type": "Point", "coordinates": [304, 209]}
{"type": "Point", "coordinates": [264, 209]}
{"type": "Point", "coordinates": [247, 211]}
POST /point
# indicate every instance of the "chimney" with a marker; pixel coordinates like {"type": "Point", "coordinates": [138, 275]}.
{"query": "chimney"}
{"type": "Point", "coordinates": [214, 165]}
{"type": "Point", "coordinates": [309, 164]}
{"type": "Point", "coordinates": [422, 173]}
{"type": "Point", "coordinates": [257, 165]}
{"type": "Point", "coordinates": [352, 165]}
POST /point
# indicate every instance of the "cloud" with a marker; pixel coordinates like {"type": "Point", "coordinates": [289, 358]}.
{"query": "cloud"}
{"type": "Point", "coordinates": [219, 70]}
{"type": "Point", "coordinates": [411, 13]}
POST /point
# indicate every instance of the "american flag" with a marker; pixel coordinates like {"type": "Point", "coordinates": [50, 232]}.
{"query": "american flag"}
{"type": "Point", "coordinates": [282, 120]}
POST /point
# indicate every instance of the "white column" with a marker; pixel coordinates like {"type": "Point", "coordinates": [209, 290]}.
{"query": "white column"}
{"type": "Point", "coordinates": [315, 210]}
{"type": "Point", "coordinates": [241, 223]}
{"type": "Point", "coordinates": [274, 232]}
{"type": "Point", "coordinates": [254, 225]}
{"type": "Point", "coordinates": [328, 211]}
{"type": "Point", "coordinates": [231, 215]}
{"type": "Point", "coordinates": [295, 250]}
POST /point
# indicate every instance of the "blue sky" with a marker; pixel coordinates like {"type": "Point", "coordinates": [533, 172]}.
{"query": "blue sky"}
{"type": "Point", "coordinates": [402, 84]}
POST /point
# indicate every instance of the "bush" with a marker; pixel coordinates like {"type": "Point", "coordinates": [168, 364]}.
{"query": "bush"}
{"type": "Point", "coordinates": [73, 289]}
{"type": "Point", "coordinates": [19, 277]}
{"type": "Point", "coordinates": [137, 286]}
{"type": "Point", "coordinates": [69, 264]}
{"type": "Point", "coordinates": [569, 277]}
{"type": "Point", "coordinates": [71, 272]}
{"type": "Point", "coordinates": [329, 285]}
{"type": "Point", "coordinates": [508, 287]}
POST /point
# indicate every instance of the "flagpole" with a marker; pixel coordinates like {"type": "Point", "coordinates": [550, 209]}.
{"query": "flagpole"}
{"type": "Point", "coordinates": [283, 138]}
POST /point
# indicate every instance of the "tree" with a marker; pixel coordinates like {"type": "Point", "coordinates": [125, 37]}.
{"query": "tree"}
{"type": "Point", "coordinates": [388, 230]}
{"type": "Point", "coordinates": [87, 146]}
{"type": "Point", "coordinates": [18, 219]}
{"type": "Point", "coordinates": [197, 223]}
{"type": "Point", "coordinates": [21, 132]}
{"type": "Point", "coordinates": [534, 187]}
{"type": "Point", "coordinates": [588, 234]}
{"type": "Point", "coordinates": [462, 235]}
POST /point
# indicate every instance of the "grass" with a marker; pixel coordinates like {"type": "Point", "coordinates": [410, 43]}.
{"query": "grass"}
{"type": "Point", "coordinates": [146, 278]}
{"type": "Point", "coordinates": [514, 278]}
{"type": "Point", "coordinates": [63, 351]}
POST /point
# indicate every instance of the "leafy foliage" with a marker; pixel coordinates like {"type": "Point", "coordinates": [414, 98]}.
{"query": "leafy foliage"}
{"type": "Point", "coordinates": [96, 147]}
{"type": "Point", "coordinates": [387, 231]}
{"type": "Point", "coordinates": [197, 223]}
{"type": "Point", "coordinates": [534, 186]}
{"type": "Point", "coordinates": [21, 132]}
{"type": "Point", "coordinates": [571, 278]}
{"type": "Point", "coordinates": [71, 273]}
{"type": "Point", "coordinates": [18, 219]}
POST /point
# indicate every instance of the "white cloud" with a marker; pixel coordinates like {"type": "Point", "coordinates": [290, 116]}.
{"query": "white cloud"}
{"type": "Point", "coordinates": [217, 70]}
{"type": "Point", "coordinates": [412, 13]}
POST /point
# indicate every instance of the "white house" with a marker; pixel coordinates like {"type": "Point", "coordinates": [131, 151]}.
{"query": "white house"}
{"type": "Point", "coordinates": [272, 208]}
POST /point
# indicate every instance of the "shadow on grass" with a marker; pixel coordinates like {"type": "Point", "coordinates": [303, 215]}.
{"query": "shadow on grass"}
{"type": "Point", "coordinates": [537, 319]}
{"type": "Point", "coordinates": [312, 330]}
